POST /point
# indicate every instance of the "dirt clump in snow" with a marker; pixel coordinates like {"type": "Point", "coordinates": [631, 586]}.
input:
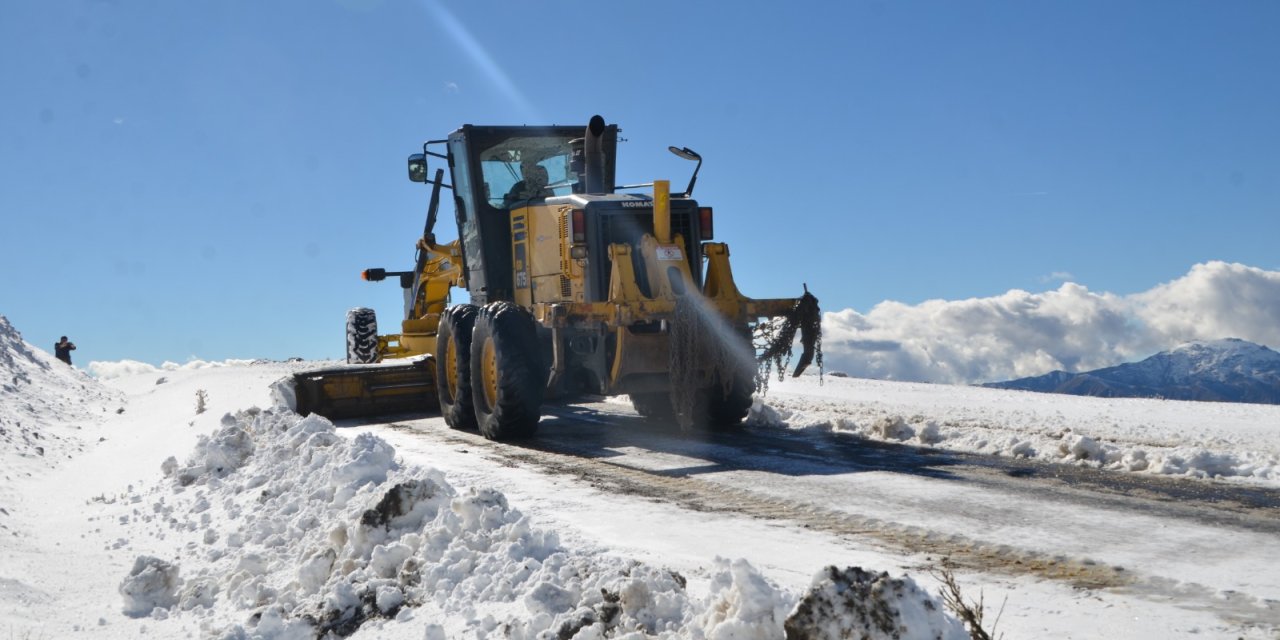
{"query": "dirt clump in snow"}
{"type": "Point", "coordinates": [853, 603]}
{"type": "Point", "coordinates": [401, 500]}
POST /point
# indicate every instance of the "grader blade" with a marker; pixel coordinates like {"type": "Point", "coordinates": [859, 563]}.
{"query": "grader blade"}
{"type": "Point", "coordinates": [368, 390]}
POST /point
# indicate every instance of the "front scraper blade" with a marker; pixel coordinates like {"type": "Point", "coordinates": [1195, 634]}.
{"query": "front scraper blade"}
{"type": "Point", "coordinates": [357, 391]}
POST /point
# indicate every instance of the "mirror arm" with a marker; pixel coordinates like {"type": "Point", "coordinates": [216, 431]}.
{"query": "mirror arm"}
{"type": "Point", "coordinates": [688, 191]}
{"type": "Point", "coordinates": [688, 154]}
{"type": "Point", "coordinates": [428, 152]}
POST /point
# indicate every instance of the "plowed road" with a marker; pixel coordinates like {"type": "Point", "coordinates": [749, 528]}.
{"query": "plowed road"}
{"type": "Point", "coordinates": [603, 476]}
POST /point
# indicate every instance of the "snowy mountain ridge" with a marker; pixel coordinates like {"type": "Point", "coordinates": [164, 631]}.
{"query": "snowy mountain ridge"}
{"type": "Point", "coordinates": [1229, 355]}
{"type": "Point", "coordinates": [1226, 370]}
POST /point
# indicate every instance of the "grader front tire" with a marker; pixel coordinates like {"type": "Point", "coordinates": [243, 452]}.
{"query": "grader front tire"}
{"type": "Point", "coordinates": [362, 336]}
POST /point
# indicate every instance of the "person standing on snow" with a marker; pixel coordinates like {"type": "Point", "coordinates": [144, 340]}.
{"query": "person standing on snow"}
{"type": "Point", "coordinates": [63, 349]}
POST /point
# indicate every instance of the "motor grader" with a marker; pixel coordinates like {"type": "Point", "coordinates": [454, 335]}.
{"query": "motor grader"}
{"type": "Point", "coordinates": [576, 286]}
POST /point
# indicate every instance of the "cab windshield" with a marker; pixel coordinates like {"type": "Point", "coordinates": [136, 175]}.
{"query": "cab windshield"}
{"type": "Point", "coordinates": [505, 165]}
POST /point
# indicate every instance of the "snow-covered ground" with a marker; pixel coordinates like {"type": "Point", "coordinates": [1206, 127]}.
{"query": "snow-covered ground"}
{"type": "Point", "coordinates": [144, 517]}
{"type": "Point", "coordinates": [1228, 441]}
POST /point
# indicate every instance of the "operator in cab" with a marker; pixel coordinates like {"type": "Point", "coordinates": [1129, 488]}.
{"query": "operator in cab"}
{"type": "Point", "coordinates": [533, 184]}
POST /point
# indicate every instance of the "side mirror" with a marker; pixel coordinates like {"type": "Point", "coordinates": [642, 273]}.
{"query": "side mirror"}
{"type": "Point", "coordinates": [692, 156]}
{"type": "Point", "coordinates": [418, 167]}
{"type": "Point", "coordinates": [686, 153]}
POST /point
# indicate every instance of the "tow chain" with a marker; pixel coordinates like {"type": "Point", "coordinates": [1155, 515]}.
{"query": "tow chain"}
{"type": "Point", "coordinates": [775, 338]}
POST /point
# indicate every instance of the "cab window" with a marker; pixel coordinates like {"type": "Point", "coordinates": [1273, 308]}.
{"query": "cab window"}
{"type": "Point", "coordinates": [504, 165]}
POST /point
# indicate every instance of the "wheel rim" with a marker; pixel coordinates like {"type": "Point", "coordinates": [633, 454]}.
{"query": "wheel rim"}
{"type": "Point", "coordinates": [489, 369]}
{"type": "Point", "coordinates": [451, 369]}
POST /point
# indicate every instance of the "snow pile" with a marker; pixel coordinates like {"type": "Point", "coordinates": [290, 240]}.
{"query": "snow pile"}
{"type": "Point", "coordinates": [852, 603]}
{"type": "Point", "coordinates": [287, 529]}
{"type": "Point", "coordinates": [43, 403]}
{"type": "Point", "coordinates": [742, 604]}
{"type": "Point", "coordinates": [150, 588]}
{"type": "Point", "coordinates": [1236, 442]}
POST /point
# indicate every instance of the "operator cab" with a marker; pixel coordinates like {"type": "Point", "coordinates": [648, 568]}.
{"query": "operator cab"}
{"type": "Point", "coordinates": [491, 167]}
{"type": "Point", "coordinates": [497, 170]}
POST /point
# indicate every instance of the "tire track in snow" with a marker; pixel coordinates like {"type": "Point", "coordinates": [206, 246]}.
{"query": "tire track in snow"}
{"type": "Point", "coordinates": [702, 495]}
{"type": "Point", "coordinates": [684, 489]}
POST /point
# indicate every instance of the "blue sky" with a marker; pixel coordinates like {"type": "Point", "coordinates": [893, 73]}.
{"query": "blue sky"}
{"type": "Point", "coordinates": [206, 179]}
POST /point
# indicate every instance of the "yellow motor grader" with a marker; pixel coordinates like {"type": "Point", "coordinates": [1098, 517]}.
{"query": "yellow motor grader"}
{"type": "Point", "coordinates": [576, 286]}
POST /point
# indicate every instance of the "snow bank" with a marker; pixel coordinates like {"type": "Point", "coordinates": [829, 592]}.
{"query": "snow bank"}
{"type": "Point", "coordinates": [44, 404]}
{"type": "Point", "coordinates": [292, 531]}
{"type": "Point", "coordinates": [1235, 442]}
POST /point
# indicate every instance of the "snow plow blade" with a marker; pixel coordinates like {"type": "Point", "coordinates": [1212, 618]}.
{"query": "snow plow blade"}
{"type": "Point", "coordinates": [368, 390]}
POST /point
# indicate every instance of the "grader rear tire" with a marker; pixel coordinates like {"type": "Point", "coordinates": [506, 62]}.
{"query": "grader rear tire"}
{"type": "Point", "coordinates": [653, 406]}
{"type": "Point", "coordinates": [453, 366]}
{"type": "Point", "coordinates": [362, 336]}
{"type": "Point", "coordinates": [507, 374]}
{"type": "Point", "coordinates": [720, 410]}
{"type": "Point", "coordinates": [721, 402]}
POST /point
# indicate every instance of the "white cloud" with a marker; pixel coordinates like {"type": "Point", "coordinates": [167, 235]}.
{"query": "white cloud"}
{"type": "Point", "coordinates": [1021, 334]}
{"type": "Point", "coordinates": [451, 87]}
{"type": "Point", "coordinates": [1058, 276]}
{"type": "Point", "coordinates": [1216, 300]}
{"type": "Point", "coordinates": [118, 369]}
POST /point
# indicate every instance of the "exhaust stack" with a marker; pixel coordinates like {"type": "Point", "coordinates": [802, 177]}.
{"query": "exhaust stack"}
{"type": "Point", "coordinates": [593, 152]}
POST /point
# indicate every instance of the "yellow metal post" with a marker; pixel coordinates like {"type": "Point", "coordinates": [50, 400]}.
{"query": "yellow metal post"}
{"type": "Point", "coordinates": [662, 211]}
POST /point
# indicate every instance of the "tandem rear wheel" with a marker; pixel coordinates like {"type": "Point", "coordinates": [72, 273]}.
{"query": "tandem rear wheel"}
{"type": "Point", "coordinates": [507, 374]}
{"type": "Point", "coordinates": [453, 366]}
{"type": "Point", "coordinates": [717, 407]}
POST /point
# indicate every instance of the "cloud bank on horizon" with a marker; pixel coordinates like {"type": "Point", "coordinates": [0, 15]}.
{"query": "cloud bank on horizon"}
{"type": "Point", "coordinates": [118, 369]}
{"type": "Point", "coordinates": [1015, 334]}
{"type": "Point", "coordinates": [1019, 334]}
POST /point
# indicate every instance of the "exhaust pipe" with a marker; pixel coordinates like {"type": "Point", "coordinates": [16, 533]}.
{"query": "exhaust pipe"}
{"type": "Point", "coordinates": [593, 152]}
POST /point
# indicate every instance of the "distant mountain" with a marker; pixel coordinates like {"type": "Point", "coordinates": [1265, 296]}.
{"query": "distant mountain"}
{"type": "Point", "coordinates": [1229, 370]}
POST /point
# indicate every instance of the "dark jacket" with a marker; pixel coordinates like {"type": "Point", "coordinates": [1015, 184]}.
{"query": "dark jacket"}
{"type": "Point", "coordinates": [62, 350]}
